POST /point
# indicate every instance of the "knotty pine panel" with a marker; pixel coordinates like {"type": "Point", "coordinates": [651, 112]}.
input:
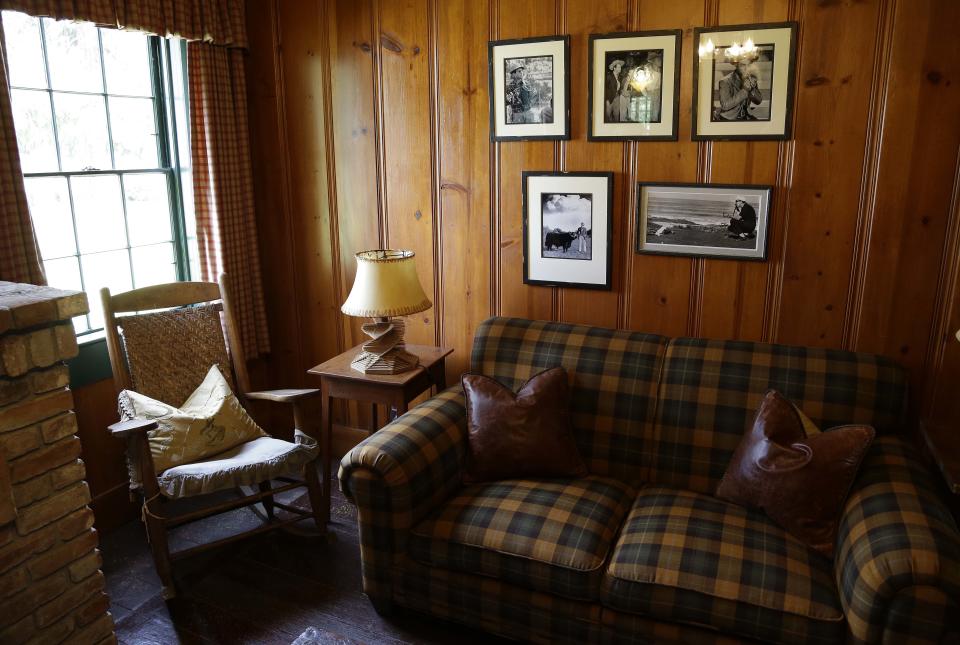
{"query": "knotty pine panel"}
{"type": "Point", "coordinates": [833, 97]}
{"type": "Point", "coordinates": [407, 158]}
{"type": "Point", "coordinates": [354, 127]}
{"type": "Point", "coordinates": [302, 47]}
{"type": "Point", "coordinates": [462, 32]}
{"type": "Point", "coordinates": [733, 294]}
{"type": "Point", "coordinates": [658, 287]}
{"type": "Point", "coordinates": [913, 182]}
{"type": "Point", "coordinates": [522, 20]}
{"type": "Point", "coordinates": [583, 18]}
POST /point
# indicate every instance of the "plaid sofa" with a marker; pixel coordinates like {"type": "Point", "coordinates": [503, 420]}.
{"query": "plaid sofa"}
{"type": "Point", "coordinates": [640, 551]}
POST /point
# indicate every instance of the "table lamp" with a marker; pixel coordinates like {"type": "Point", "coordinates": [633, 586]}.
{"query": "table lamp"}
{"type": "Point", "coordinates": [386, 286]}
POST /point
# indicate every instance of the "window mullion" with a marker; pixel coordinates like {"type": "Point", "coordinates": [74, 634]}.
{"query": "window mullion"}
{"type": "Point", "coordinates": [163, 90]}
{"type": "Point", "coordinates": [106, 106]}
{"type": "Point", "coordinates": [76, 241]}
{"type": "Point", "coordinates": [126, 228]}
{"type": "Point", "coordinates": [53, 111]}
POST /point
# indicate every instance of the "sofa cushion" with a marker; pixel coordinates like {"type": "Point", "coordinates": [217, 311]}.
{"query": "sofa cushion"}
{"type": "Point", "coordinates": [692, 558]}
{"type": "Point", "coordinates": [545, 535]}
{"type": "Point", "coordinates": [613, 375]}
{"type": "Point", "coordinates": [711, 389]}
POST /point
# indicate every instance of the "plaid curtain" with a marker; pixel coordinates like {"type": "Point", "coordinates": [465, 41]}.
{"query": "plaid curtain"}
{"type": "Point", "coordinates": [214, 21]}
{"type": "Point", "coordinates": [19, 255]}
{"type": "Point", "coordinates": [223, 184]}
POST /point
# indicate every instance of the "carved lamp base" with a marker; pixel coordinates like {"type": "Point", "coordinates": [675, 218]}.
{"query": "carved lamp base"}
{"type": "Point", "coordinates": [385, 352]}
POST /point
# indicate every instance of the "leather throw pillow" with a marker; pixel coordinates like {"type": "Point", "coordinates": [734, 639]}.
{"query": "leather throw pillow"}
{"type": "Point", "coordinates": [799, 478]}
{"type": "Point", "coordinates": [527, 434]}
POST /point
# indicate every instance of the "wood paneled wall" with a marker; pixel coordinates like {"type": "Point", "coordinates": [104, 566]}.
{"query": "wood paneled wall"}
{"type": "Point", "coordinates": [370, 121]}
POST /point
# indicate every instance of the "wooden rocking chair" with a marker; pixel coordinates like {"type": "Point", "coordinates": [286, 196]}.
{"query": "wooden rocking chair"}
{"type": "Point", "coordinates": [185, 339]}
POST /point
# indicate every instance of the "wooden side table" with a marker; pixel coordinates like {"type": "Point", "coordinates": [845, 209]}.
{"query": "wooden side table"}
{"type": "Point", "coordinates": [340, 381]}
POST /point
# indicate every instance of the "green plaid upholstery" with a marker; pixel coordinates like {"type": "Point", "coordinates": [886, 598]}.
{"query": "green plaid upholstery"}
{"type": "Point", "coordinates": [549, 535]}
{"type": "Point", "coordinates": [630, 629]}
{"type": "Point", "coordinates": [897, 544]}
{"type": "Point", "coordinates": [614, 377]}
{"type": "Point", "coordinates": [691, 558]}
{"type": "Point", "coordinates": [398, 475]}
{"type": "Point", "coordinates": [497, 607]}
{"type": "Point", "coordinates": [710, 391]}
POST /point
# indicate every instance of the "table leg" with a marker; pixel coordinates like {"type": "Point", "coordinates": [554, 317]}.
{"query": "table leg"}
{"type": "Point", "coordinates": [326, 442]}
{"type": "Point", "coordinates": [438, 372]}
{"type": "Point", "coordinates": [374, 425]}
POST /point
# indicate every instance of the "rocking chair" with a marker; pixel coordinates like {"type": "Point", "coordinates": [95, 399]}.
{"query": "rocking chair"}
{"type": "Point", "coordinates": [165, 355]}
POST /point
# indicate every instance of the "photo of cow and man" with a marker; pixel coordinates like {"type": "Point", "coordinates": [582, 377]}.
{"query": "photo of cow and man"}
{"type": "Point", "coordinates": [567, 220]}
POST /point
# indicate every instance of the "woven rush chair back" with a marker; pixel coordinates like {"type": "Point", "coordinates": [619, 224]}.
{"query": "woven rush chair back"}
{"type": "Point", "coordinates": [166, 354]}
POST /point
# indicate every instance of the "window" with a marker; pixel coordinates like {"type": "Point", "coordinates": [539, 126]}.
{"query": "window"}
{"type": "Point", "coordinates": [101, 116]}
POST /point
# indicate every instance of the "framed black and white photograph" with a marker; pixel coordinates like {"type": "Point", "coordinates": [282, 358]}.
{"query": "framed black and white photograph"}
{"type": "Point", "coordinates": [634, 86]}
{"type": "Point", "coordinates": [743, 80]}
{"type": "Point", "coordinates": [703, 220]}
{"type": "Point", "coordinates": [530, 89]}
{"type": "Point", "coordinates": [568, 228]}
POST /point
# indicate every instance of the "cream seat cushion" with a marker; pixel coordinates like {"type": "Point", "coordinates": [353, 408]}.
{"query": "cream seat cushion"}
{"type": "Point", "coordinates": [209, 422]}
{"type": "Point", "coordinates": [255, 461]}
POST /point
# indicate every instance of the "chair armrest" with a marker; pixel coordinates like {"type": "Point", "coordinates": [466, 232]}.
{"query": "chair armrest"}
{"type": "Point", "coordinates": [123, 429]}
{"type": "Point", "coordinates": [897, 561]}
{"type": "Point", "coordinates": [398, 475]}
{"type": "Point", "coordinates": [283, 396]}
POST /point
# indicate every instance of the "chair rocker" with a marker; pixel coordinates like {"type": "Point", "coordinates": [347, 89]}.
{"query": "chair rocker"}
{"type": "Point", "coordinates": [174, 350]}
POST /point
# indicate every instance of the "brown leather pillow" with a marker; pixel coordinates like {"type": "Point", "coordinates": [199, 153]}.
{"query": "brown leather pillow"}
{"type": "Point", "coordinates": [800, 479]}
{"type": "Point", "coordinates": [527, 434]}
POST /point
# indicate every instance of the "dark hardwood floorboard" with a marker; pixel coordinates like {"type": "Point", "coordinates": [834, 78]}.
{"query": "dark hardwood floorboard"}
{"type": "Point", "coordinates": [268, 589]}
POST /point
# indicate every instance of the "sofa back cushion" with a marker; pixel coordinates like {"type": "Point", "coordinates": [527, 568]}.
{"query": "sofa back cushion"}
{"type": "Point", "coordinates": [613, 376]}
{"type": "Point", "coordinates": [710, 391]}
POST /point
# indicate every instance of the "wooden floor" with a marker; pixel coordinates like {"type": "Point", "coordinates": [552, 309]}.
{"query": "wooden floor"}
{"type": "Point", "coordinates": [268, 589]}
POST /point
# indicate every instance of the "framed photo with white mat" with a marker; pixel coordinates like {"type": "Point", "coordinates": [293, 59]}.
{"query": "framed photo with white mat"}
{"type": "Point", "coordinates": [530, 89]}
{"type": "Point", "coordinates": [720, 221]}
{"type": "Point", "coordinates": [634, 86]}
{"type": "Point", "coordinates": [743, 81]}
{"type": "Point", "coordinates": [568, 229]}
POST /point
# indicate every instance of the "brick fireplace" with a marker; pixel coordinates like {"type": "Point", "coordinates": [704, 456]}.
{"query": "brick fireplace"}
{"type": "Point", "coordinates": [51, 587]}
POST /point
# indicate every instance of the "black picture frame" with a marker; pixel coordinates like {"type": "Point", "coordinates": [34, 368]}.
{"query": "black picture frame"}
{"type": "Point", "coordinates": [787, 132]}
{"type": "Point", "coordinates": [641, 228]}
{"type": "Point", "coordinates": [526, 175]}
{"type": "Point", "coordinates": [678, 61]}
{"type": "Point", "coordinates": [494, 98]}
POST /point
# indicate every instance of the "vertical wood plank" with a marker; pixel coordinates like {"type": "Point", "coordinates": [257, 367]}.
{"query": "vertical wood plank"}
{"type": "Point", "coordinates": [354, 131]}
{"type": "Point", "coordinates": [659, 287]}
{"type": "Point", "coordinates": [268, 156]}
{"type": "Point", "coordinates": [914, 181]}
{"type": "Point", "coordinates": [832, 105]}
{"type": "Point", "coordinates": [522, 20]}
{"type": "Point", "coordinates": [582, 19]}
{"type": "Point", "coordinates": [405, 86]}
{"type": "Point", "coordinates": [462, 35]}
{"type": "Point", "coordinates": [733, 293]}
{"type": "Point", "coordinates": [311, 241]}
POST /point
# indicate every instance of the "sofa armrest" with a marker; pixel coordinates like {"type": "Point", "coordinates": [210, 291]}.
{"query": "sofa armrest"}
{"type": "Point", "coordinates": [897, 561]}
{"type": "Point", "coordinates": [397, 476]}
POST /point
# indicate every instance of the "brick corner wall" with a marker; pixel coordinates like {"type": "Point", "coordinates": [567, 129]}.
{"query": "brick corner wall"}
{"type": "Point", "coordinates": [51, 586]}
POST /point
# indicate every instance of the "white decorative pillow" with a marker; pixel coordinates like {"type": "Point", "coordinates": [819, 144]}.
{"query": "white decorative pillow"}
{"type": "Point", "coordinates": [209, 422]}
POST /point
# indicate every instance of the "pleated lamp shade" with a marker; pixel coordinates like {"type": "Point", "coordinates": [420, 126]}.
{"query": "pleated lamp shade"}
{"type": "Point", "coordinates": [386, 285]}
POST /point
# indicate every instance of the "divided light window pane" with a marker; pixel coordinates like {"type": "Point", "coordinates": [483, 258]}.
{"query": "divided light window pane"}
{"type": "Point", "coordinates": [134, 132]}
{"type": "Point", "coordinates": [125, 57]}
{"type": "Point", "coordinates": [98, 209]}
{"type": "Point", "coordinates": [49, 202]}
{"type": "Point", "coordinates": [148, 208]}
{"type": "Point", "coordinates": [34, 127]}
{"type": "Point", "coordinates": [24, 52]}
{"type": "Point", "coordinates": [82, 130]}
{"type": "Point", "coordinates": [73, 56]}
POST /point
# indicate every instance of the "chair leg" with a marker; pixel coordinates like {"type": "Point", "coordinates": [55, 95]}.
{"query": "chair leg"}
{"type": "Point", "coordinates": [316, 494]}
{"type": "Point", "coordinates": [267, 501]}
{"type": "Point", "coordinates": [157, 536]}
